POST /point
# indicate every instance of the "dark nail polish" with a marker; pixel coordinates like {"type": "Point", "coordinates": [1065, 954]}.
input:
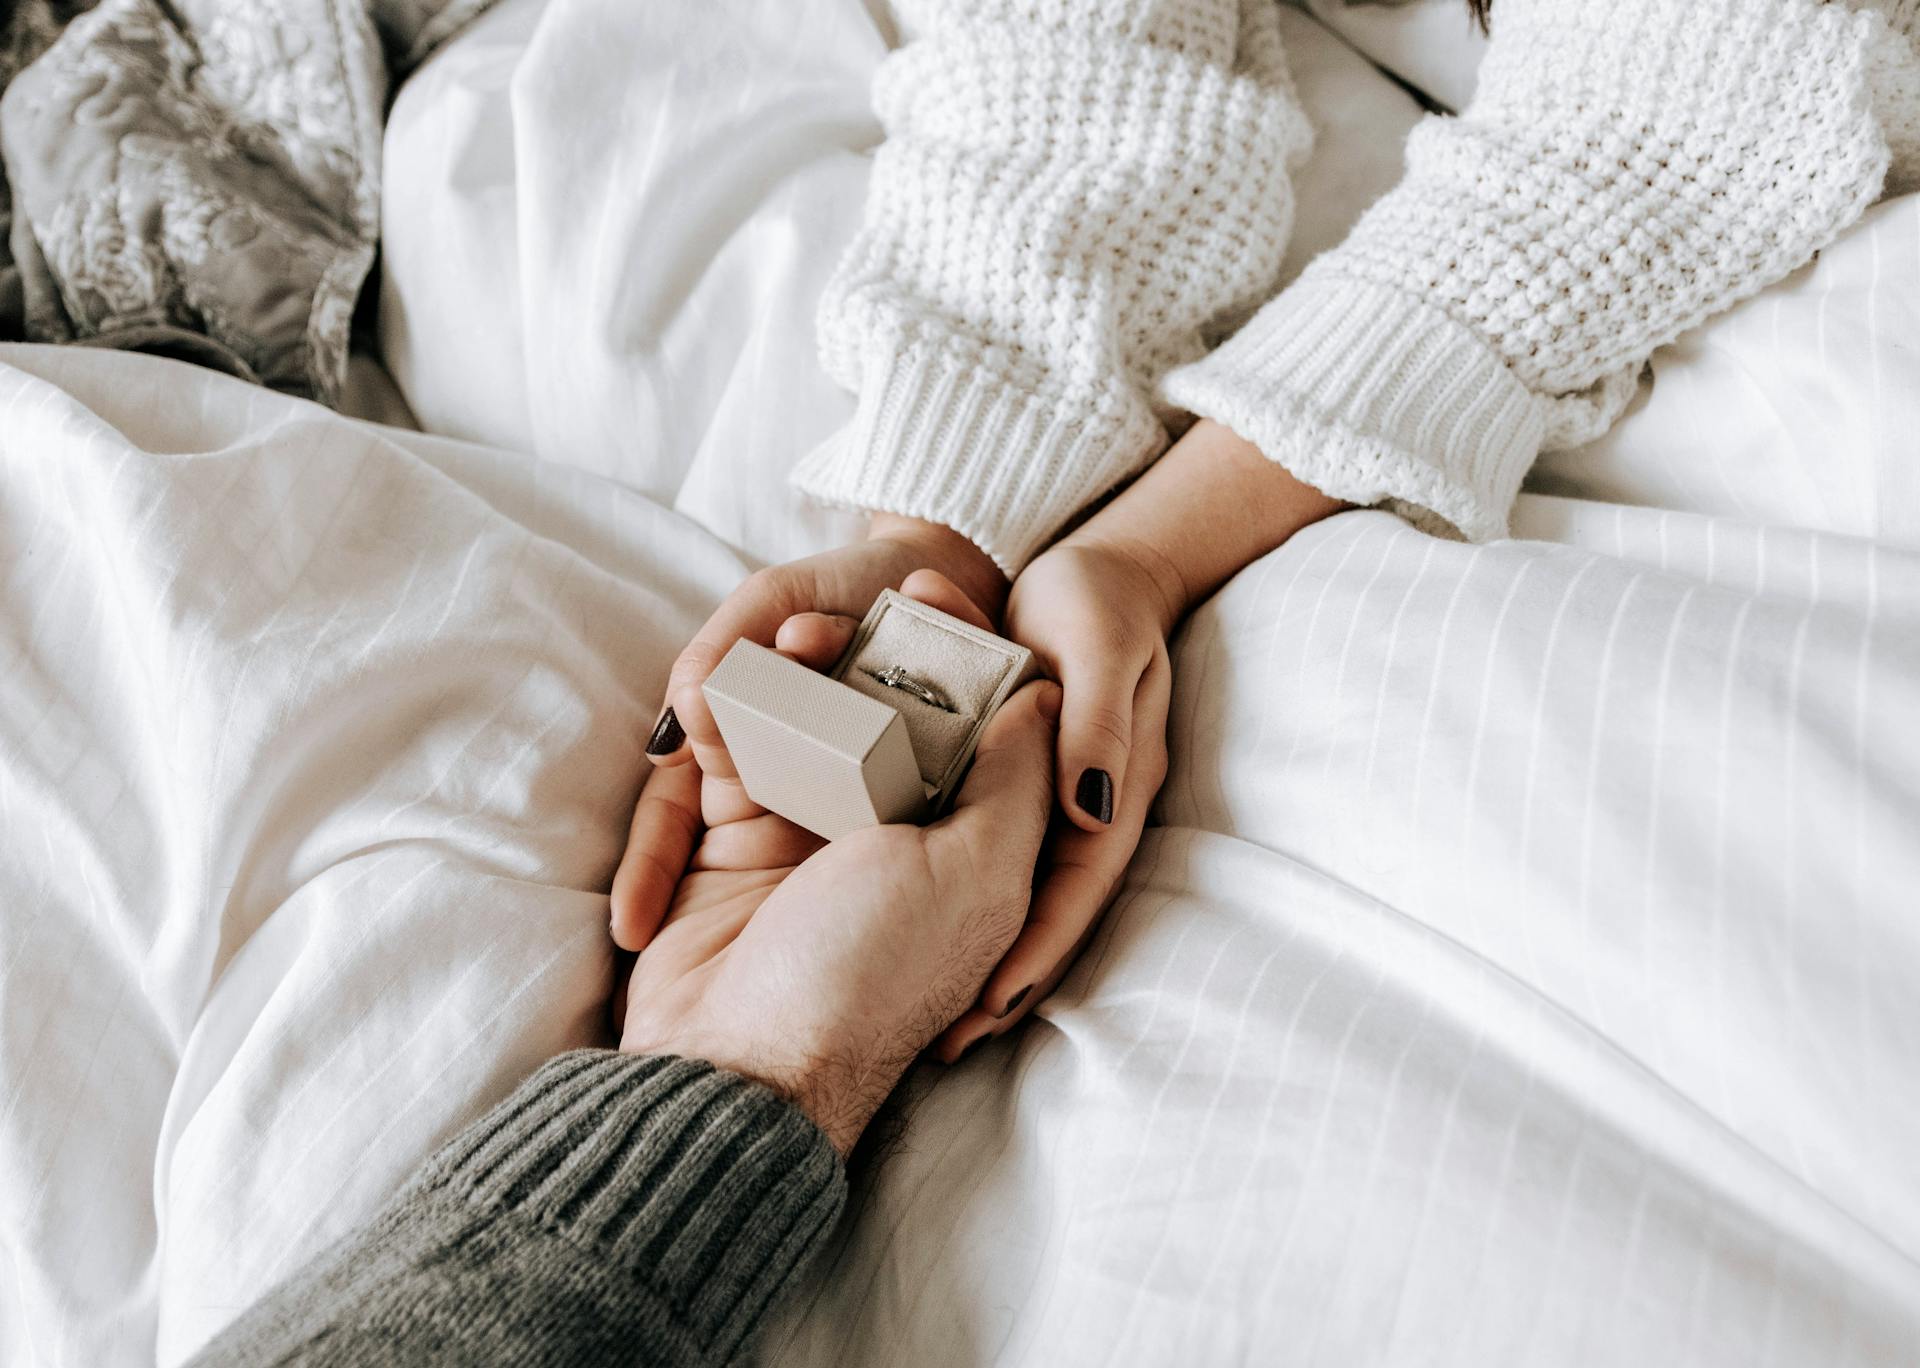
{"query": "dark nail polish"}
{"type": "Point", "coordinates": [667, 735]}
{"type": "Point", "coordinates": [1013, 1003]}
{"type": "Point", "coordinates": [1094, 794]}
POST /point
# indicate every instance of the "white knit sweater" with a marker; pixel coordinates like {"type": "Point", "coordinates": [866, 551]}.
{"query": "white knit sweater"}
{"type": "Point", "coordinates": [1073, 191]}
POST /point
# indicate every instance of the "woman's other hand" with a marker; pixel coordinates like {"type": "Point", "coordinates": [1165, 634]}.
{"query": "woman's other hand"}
{"type": "Point", "coordinates": [1098, 610]}
{"type": "Point", "coordinates": [1097, 621]}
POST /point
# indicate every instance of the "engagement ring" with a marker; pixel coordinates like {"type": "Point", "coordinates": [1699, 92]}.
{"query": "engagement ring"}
{"type": "Point", "coordinates": [896, 678]}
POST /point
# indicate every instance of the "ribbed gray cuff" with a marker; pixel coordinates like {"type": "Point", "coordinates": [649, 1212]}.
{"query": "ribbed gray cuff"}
{"type": "Point", "coordinates": [703, 1185]}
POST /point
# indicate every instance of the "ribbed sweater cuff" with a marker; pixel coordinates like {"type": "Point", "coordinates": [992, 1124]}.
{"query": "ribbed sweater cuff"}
{"type": "Point", "coordinates": [1373, 397]}
{"type": "Point", "coordinates": [942, 434]}
{"type": "Point", "coordinates": [705, 1187]}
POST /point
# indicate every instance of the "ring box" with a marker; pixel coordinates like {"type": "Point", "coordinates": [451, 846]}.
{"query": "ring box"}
{"type": "Point", "coordinates": [886, 736]}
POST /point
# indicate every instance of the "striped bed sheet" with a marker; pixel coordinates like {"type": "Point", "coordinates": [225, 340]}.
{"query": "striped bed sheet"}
{"type": "Point", "coordinates": [1523, 973]}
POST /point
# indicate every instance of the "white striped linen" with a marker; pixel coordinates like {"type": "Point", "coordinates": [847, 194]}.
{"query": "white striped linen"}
{"type": "Point", "coordinates": [1524, 974]}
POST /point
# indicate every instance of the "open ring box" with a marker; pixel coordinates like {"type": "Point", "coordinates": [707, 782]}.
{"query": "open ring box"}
{"type": "Point", "coordinates": [884, 737]}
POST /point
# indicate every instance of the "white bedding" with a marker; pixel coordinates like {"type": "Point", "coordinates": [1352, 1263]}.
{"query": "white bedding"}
{"type": "Point", "coordinates": [314, 742]}
{"type": "Point", "coordinates": [1524, 969]}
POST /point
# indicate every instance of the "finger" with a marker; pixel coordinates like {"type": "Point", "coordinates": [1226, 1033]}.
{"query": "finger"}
{"type": "Point", "coordinates": [754, 611]}
{"type": "Point", "coordinates": [660, 840]}
{"type": "Point", "coordinates": [958, 1039]}
{"type": "Point", "coordinates": [1065, 912]}
{"type": "Point", "coordinates": [708, 747]}
{"type": "Point", "coordinates": [1096, 732]}
{"type": "Point", "coordinates": [724, 802]}
{"type": "Point", "coordinates": [1084, 870]}
{"type": "Point", "coordinates": [1002, 806]}
{"type": "Point", "coordinates": [937, 591]}
{"type": "Point", "coordinates": [816, 640]}
{"type": "Point", "coordinates": [765, 841]}
{"type": "Point", "coordinates": [979, 1024]}
{"type": "Point", "coordinates": [1084, 875]}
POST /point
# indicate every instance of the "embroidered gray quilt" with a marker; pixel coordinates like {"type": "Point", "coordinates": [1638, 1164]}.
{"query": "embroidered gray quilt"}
{"type": "Point", "coordinates": [201, 177]}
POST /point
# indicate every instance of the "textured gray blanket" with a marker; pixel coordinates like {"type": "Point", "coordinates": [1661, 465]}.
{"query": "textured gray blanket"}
{"type": "Point", "coordinates": [201, 177]}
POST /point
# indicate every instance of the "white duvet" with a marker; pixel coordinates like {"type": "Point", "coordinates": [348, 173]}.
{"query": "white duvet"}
{"type": "Point", "coordinates": [1523, 970]}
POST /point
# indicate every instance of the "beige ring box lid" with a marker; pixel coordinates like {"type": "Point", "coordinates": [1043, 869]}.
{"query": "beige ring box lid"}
{"type": "Point", "coordinates": [885, 737]}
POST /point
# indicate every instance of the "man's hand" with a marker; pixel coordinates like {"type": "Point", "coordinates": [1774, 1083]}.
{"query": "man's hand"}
{"type": "Point", "coordinates": [823, 971]}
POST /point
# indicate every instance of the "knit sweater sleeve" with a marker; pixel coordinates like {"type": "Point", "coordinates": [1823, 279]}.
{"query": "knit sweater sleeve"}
{"type": "Point", "coordinates": [614, 1209]}
{"type": "Point", "coordinates": [1624, 170]}
{"type": "Point", "coordinates": [1069, 193]}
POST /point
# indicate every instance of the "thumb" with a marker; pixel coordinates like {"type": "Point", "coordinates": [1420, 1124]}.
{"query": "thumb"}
{"type": "Point", "coordinates": [1008, 794]}
{"type": "Point", "coordinates": [1095, 736]}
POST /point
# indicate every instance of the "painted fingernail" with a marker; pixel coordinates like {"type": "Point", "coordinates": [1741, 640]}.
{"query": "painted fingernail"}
{"type": "Point", "coordinates": [1094, 794]}
{"type": "Point", "coordinates": [1013, 1003]}
{"type": "Point", "coordinates": [667, 735]}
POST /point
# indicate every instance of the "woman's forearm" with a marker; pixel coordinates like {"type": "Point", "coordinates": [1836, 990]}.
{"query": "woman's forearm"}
{"type": "Point", "coordinates": [1624, 171]}
{"type": "Point", "coordinates": [1211, 506]}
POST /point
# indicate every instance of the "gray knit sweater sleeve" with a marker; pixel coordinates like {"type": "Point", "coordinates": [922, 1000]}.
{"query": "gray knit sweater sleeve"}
{"type": "Point", "coordinates": [615, 1209]}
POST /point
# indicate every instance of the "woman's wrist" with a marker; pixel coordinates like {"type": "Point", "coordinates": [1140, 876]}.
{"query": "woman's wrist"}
{"type": "Point", "coordinates": [1146, 572]}
{"type": "Point", "coordinates": [938, 547]}
{"type": "Point", "coordinates": [1211, 506]}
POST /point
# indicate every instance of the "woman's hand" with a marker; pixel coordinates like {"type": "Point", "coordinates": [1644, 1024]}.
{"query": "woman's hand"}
{"type": "Point", "coordinates": [840, 583]}
{"type": "Point", "coordinates": [1097, 621]}
{"type": "Point", "coordinates": [1098, 610]}
{"type": "Point", "coordinates": [823, 970]}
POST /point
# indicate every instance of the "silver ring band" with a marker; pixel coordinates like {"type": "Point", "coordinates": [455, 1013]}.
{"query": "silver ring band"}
{"type": "Point", "coordinates": [893, 677]}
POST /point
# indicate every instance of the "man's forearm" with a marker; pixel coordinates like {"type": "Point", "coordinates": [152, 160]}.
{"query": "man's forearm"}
{"type": "Point", "coordinates": [1211, 506]}
{"type": "Point", "coordinates": [614, 1209]}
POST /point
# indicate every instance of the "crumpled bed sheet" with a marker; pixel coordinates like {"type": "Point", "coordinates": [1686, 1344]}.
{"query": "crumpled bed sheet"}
{"type": "Point", "coordinates": [1522, 969]}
